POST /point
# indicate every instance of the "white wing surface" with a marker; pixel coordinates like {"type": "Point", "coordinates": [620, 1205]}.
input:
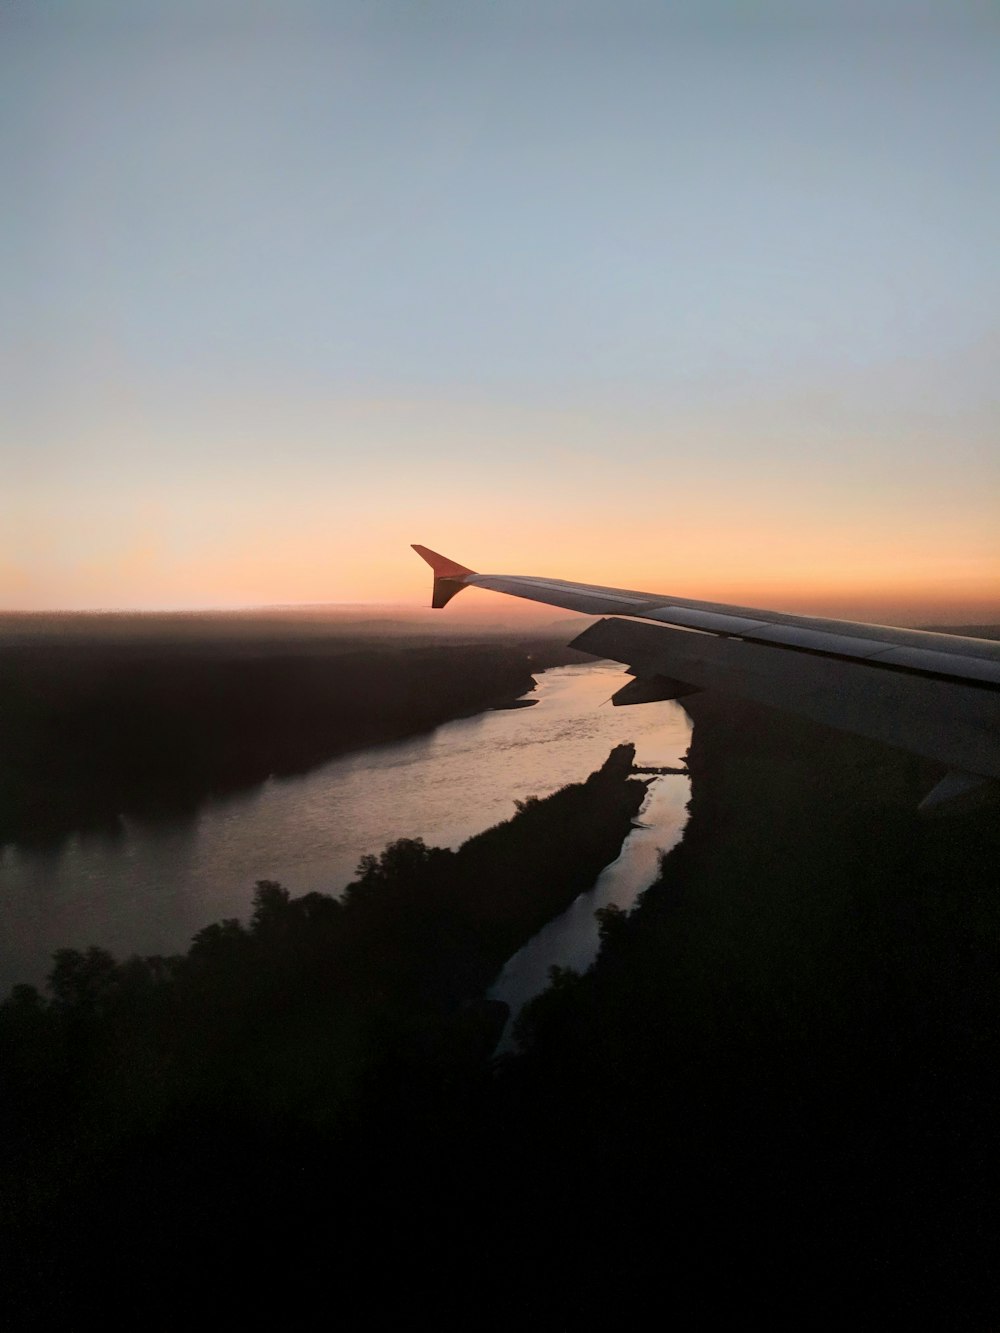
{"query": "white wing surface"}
{"type": "Point", "coordinates": [937, 695]}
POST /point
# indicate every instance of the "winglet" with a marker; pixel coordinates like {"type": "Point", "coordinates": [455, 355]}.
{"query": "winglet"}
{"type": "Point", "coordinates": [449, 575]}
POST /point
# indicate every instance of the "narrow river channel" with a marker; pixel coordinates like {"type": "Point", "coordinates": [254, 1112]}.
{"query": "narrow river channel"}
{"type": "Point", "coordinates": [149, 887]}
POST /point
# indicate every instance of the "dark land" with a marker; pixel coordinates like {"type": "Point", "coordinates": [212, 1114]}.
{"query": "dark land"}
{"type": "Point", "coordinates": [788, 1055]}
{"type": "Point", "coordinates": [773, 1099]}
{"type": "Point", "coordinates": [108, 716]}
{"type": "Point", "coordinates": [157, 1109]}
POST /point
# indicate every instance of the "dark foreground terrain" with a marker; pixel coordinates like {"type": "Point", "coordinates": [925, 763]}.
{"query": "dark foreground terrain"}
{"type": "Point", "coordinates": [782, 1076]}
{"type": "Point", "coordinates": [773, 1100]}
{"type": "Point", "coordinates": [154, 1110]}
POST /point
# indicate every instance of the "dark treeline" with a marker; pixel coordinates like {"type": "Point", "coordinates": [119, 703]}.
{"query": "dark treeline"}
{"type": "Point", "coordinates": [786, 1060]}
{"type": "Point", "coordinates": [147, 1102]}
{"type": "Point", "coordinates": [772, 1099]}
{"type": "Point", "coordinates": [93, 729]}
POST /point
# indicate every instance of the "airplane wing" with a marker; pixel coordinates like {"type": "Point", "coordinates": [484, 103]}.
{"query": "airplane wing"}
{"type": "Point", "coordinates": [936, 695]}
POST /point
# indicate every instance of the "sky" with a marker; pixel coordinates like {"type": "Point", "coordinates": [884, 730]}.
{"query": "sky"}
{"type": "Point", "coordinates": [698, 298]}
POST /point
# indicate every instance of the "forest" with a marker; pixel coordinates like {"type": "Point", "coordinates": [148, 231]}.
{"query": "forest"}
{"type": "Point", "coordinates": [190, 1078]}
{"type": "Point", "coordinates": [774, 1095]}
{"type": "Point", "coordinates": [95, 727]}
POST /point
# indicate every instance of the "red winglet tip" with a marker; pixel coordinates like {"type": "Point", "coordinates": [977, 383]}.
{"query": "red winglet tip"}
{"type": "Point", "coordinates": [449, 575]}
{"type": "Point", "coordinates": [443, 567]}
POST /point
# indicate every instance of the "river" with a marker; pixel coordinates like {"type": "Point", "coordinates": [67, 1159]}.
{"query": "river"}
{"type": "Point", "coordinates": [148, 887]}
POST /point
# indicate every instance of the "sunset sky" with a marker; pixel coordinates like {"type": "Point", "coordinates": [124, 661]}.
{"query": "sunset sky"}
{"type": "Point", "coordinates": [697, 297]}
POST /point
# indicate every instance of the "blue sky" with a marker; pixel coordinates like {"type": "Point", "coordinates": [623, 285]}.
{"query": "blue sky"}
{"type": "Point", "coordinates": [289, 286]}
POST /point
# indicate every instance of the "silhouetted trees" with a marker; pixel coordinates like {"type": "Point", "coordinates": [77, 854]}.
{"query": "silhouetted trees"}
{"type": "Point", "coordinates": [773, 1097]}
{"type": "Point", "coordinates": [782, 1073]}
{"type": "Point", "coordinates": [357, 1026]}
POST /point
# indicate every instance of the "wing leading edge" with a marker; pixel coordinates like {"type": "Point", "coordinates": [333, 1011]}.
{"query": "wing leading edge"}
{"type": "Point", "coordinates": [937, 695]}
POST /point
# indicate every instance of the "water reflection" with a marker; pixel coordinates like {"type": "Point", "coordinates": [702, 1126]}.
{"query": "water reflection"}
{"type": "Point", "coordinates": [149, 889]}
{"type": "Point", "coordinates": [571, 940]}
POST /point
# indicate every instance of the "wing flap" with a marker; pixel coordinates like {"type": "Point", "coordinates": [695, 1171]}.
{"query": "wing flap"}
{"type": "Point", "coordinates": [935, 694]}
{"type": "Point", "coordinates": [951, 723]}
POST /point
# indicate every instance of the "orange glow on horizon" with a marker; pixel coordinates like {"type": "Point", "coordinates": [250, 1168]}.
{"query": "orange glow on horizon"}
{"type": "Point", "coordinates": [389, 586]}
{"type": "Point", "coordinates": [258, 553]}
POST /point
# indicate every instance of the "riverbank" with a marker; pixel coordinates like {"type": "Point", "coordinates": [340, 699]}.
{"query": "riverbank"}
{"type": "Point", "coordinates": [774, 1094]}
{"type": "Point", "coordinates": [793, 1040]}
{"type": "Point", "coordinates": [191, 1089]}
{"type": "Point", "coordinates": [93, 730]}
{"type": "Point", "coordinates": [147, 885]}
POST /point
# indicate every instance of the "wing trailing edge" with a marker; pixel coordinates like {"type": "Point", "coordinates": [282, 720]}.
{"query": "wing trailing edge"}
{"type": "Point", "coordinates": [936, 695]}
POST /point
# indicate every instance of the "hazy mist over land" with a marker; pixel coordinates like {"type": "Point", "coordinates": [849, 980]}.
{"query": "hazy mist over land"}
{"type": "Point", "coordinates": [493, 617]}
